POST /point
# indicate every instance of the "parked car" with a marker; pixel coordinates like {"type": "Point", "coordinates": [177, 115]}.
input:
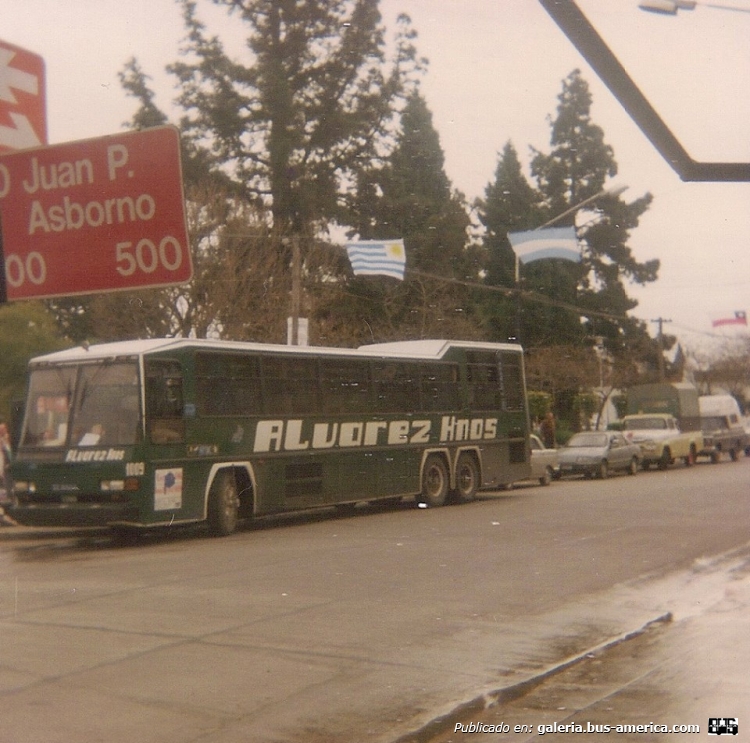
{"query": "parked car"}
{"type": "Point", "coordinates": [544, 461]}
{"type": "Point", "coordinates": [598, 453]}
{"type": "Point", "coordinates": [723, 431]}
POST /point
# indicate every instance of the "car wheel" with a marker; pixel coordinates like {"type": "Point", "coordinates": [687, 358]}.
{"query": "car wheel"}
{"type": "Point", "coordinates": [546, 478]}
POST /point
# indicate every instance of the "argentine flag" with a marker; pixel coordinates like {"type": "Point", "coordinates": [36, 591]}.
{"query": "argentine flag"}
{"type": "Point", "coordinates": [553, 242]}
{"type": "Point", "coordinates": [378, 258]}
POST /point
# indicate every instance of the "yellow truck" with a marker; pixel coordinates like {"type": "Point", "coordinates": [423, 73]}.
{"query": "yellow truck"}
{"type": "Point", "coordinates": [664, 419]}
{"type": "Point", "coordinates": [661, 440]}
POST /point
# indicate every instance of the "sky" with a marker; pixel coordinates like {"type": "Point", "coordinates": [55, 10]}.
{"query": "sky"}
{"type": "Point", "coordinates": [495, 71]}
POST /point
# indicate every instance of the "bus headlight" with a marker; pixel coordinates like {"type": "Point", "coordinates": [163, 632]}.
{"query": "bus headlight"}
{"type": "Point", "coordinates": [24, 486]}
{"type": "Point", "coordinates": [112, 486]}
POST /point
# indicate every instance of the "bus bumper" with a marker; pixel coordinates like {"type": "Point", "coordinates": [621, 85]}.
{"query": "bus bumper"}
{"type": "Point", "coordinates": [56, 514]}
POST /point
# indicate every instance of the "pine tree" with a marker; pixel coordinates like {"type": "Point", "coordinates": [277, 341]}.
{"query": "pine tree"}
{"type": "Point", "coordinates": [577, 168]}
{"type": "Point", "coordinates": [510, 204]}
{"type": "Point", "coordinates": [314, 98]}
{"type": "Point", "coordinates": [270, 147]}
{"type": "Point", "coordinates": [410, 196]}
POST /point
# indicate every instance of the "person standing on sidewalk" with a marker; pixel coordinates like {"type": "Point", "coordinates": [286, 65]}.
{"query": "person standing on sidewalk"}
{"type": "Point", "coordinates": [547, 430]}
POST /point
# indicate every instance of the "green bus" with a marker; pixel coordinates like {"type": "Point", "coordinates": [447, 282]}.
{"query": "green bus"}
{"type": "Point", "coordinates": [158, 432]}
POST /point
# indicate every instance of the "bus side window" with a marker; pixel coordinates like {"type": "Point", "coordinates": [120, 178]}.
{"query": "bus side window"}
{"type": "Point", "coordinates": [164, 402]}
{"type": "Point", "coordinates": [513, 387]}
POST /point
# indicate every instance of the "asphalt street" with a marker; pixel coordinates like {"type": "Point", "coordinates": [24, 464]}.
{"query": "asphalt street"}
{"type": "Point", "coordinates": [361, 628]}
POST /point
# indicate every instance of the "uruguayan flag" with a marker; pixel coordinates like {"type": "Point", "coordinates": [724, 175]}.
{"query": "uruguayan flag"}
{"type": "Point", "coordinates": [377, 258]}
{"type": "Point", "coordinates": [553, 242]}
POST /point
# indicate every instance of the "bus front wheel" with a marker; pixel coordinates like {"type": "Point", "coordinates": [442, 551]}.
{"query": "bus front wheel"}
{"type": "Point", "coordinates": [434, 482]}
{"type": "Point", "coordinates": [223, 504]}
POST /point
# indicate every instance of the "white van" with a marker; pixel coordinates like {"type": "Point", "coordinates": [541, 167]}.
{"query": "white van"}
{"type": "Point", "coordinates": [721, 423]}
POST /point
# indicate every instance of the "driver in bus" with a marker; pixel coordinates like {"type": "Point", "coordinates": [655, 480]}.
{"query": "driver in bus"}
{"type": "Point", "coordinates": [92, 437]}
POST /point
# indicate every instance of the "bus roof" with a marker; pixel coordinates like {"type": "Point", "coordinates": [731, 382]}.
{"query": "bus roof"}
{"type": "Point", "coordinates": [419, 349]}
{"type": "Point", "coordinates": [430, 349]}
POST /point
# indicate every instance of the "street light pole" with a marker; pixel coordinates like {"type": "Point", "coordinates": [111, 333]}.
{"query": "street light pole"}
{"type": "Point", "coordinates": [670, 7]}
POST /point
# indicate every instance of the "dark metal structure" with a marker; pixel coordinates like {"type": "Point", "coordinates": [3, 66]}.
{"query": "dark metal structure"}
{"type": "Point", "coordinates": [589, 43]}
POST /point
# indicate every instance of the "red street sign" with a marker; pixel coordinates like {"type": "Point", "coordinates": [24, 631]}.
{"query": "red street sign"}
{"type": "Point", "coordinates": [23, 106]}
{"type": "Point", "coordinates": [94, 215]}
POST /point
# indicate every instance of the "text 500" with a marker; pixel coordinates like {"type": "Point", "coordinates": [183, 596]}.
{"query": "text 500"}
{"type": "Point", "coordinates": [147, 257]}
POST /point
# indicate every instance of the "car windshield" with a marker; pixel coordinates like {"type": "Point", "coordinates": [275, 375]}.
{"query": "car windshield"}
{"type": "Point", "coordinates": [652, 424]}
{"type": "Point", "coordinates": [588, 439]}
{"type": "Point", "coordinates": [91, 405]}
{"type": "Point", "coordinates": [713, 423]}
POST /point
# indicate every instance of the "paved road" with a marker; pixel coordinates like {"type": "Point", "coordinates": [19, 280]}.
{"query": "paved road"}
{"type": "Point", "coordinates": [343, 629]}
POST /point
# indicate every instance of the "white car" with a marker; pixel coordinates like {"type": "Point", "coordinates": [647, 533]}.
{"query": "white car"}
{"type": "Point", "coordinates": [543, 461]}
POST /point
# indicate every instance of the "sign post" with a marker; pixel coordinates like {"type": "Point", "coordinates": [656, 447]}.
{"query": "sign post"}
{"type": "Point", "coordinates": [94, 215]}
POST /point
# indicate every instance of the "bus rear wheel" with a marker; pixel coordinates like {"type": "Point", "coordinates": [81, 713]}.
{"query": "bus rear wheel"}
{"type": "Point", "coordinates": [434, 482]}
{"type": "Point", "coordinates": [223, 504]}
{"type": "Point", "coordinates": [467, 478]}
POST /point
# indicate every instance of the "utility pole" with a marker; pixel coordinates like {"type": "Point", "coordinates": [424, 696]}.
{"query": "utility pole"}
{"type": "Point", "coordinates": [296, 290]}
{"type": "Point", "coordinates": [660, 340]}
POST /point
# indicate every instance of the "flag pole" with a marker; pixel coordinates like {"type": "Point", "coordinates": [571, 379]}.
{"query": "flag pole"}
{"type": "Point", "coordinates": [614, 191]}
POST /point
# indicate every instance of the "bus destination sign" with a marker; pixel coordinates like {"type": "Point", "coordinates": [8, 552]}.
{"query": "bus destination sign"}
{"type": "Point", "coordinates": [94, 215]}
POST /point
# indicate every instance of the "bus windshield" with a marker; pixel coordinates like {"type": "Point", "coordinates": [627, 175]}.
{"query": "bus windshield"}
{"type": "Point", "coordinates": [88, 405]}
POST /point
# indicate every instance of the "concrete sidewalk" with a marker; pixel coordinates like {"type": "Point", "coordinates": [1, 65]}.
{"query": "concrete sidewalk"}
{"type": "Point", "coordinates": [683, 671]}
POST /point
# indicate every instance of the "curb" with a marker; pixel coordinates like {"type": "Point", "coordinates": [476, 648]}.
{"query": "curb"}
{"type": "Point", "coordinates": [505, 694]}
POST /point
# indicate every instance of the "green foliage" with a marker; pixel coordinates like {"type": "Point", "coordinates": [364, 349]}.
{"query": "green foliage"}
{"type": "Point", "coordinates": [540, 403]}
{"type": "Point", "coordinates": [27, 329]}
{"type": "Point", "coordinates": [510, 204]}
{"type": "Point", "coordinates": [409, 196]}
{"type": "Point", "coordinates": [314, 97]}
{"type": "Point", "coordinates": [576, 169]}
{"type": "Point", "coordinates": [545, 308]}
{"type": "Point", "coordinates": [316, 127]}
{"type": "Point", "coordinates": [621, 404]}
{"type": "Point", "coordinates": [585, 404]}
{"type": "Point", "coordinates": [272, 145]}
